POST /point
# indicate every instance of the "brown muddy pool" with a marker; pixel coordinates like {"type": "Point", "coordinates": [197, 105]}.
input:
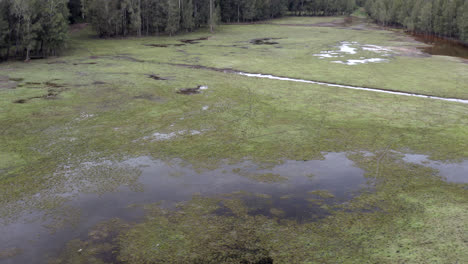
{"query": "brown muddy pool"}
{"type": "Point", "coordinates": [265, 189]}
{"type": "Point", "coordinates": [443, 47]}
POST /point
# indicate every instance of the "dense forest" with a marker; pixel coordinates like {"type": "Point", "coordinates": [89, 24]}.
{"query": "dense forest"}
{"type": "Point", "coordinates": [440, 17]}
{"type": "Point", "coordinates": [39, 28]}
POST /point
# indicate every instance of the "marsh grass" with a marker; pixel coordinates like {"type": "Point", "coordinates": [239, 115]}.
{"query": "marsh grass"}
{"type": "Point", "coordinates": [102, 113]}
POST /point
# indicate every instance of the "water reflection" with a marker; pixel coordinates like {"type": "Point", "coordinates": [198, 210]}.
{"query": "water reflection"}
{"type": "Point", "coordinates": [441, 46]}
{"type": "Point", "coordinates": [290, 197]}
{"type": "Point", "coordinates": [452, 172]}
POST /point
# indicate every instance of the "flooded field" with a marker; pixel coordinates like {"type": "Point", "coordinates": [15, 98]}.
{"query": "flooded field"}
{"type": "Point", "coordinates": [443, 47]}
{"type": "Point", "coordinates": [296, 190]}
{"type": "Point", "coordinates": [300, 140]}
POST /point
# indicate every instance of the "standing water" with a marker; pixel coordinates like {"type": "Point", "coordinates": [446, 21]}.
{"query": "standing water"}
{"type": "Point", "coordinates": [442, 46]}
{"type": "Point", "coordinates": [292, 187]}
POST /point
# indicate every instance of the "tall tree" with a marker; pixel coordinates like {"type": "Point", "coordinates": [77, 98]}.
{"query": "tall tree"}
{"type": "Point", "coordinates": [187, 15]}
{"type": "Point", "coordinates": [173, 17]}
{"type": "Point", "coordinates": [4, 31]}
{"type": "Point", "coordinates": [463, 21]}
{"type": "Point", "coordinates": [53, 26]}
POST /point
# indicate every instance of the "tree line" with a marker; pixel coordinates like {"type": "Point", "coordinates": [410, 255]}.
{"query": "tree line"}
{"type": "Point", "coordinates": [39, 28]}
{"type": "Point", "coordinates": [447, 18]}
{"type": "Point", "coordinates": [321, 7]}
{"type": "Point", "coordinates": [32, 27]}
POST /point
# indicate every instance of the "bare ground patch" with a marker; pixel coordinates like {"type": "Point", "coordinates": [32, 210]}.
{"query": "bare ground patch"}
{"type": "Point", "coordinates": [410, 52]}
{"type": "Point", "coordinates": [7, 83]}
{"type": "Point", "coordinates": [193, 41]}
{"type": "Point", "coordinates": [189, 91]}
{"type": "Point", "coordinates": [164, 45]}
{"type": "Point", "coordinates": [157, 77]}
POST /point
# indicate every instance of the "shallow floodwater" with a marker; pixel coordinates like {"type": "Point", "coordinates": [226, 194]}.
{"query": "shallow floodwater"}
{"type": "Point", "coordinates": [441, 46]}
{"type": "Point", "coordinates": [452, 172]}
{"type": "Point", "coordinates": [288, 188]}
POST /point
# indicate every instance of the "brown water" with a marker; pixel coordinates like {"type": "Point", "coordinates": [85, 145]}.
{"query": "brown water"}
{"type": "Point", "coordinates": [443, 47]}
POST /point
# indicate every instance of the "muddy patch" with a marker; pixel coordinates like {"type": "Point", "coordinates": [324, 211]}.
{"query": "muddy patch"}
{"type": "Point", "coordinates": [157, 77]}
{"type": "Point", "coordinates": [190, 91]}
{"type": "Point", "coordinates": [149, 97]}
{"type": "Point", "coordinates": [99, 83]}
{"type": "Point", "coordinates": [264, 41]}
{"type": "Point", "coordinates": [57, 62]}
{"type": "Point", "coordinates": [164, 45]}
{"type": "Point", "coordinates": [201, 67]}
{"type": "Point", "coordinates": [55, 85]}
{"type": "Point", "coordinates": [7, 83]}
{"type": "Point", "coordinates": [442, 46]}
{"type": "Point", "coordinates": [410, 52]}
{"type": "Point", "coordinates": [51, 94]}
{"type": "Point", "coordinates": [85, 63]}
{"type": "Point", "coordinates": [193, 41]}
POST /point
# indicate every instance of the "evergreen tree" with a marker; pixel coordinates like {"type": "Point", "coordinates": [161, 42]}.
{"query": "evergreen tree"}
{"type": "Point", "coordinates": [425, 18]}
{"type": "Point", "coordinates": [187, 15]}
{"type": "Point", "coordinates": [4, 31]}
{"type": "Point", "coordinates": [463, 21]}
{"type": "Point", "coordinates": [53, 26]}
{"type": "Point", "coordinates": [173, 18]}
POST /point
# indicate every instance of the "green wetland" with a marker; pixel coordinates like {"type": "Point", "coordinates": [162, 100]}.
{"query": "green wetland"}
{"type": "Point", "coordinates": [297, 140]}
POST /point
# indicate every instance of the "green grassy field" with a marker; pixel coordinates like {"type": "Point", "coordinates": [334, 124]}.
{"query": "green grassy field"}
{"type": "Point", "coordinates": [97, 101]}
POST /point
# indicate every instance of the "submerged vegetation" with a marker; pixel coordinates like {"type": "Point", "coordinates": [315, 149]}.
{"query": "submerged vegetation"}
{"type": "Point", "coordinates": [412, 217]}
{"type": "Point", "coordinates": [237, 169]}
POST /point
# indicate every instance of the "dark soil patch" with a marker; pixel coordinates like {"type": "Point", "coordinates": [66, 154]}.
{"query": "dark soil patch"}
{"type": "Point", "coordinates": [99, 83]}
{"type": "Point", "coordinates": [189, 91]}
{"type": "Point", "coordinates": [264, 41]}
{"type": "Point", "coordinates": [164, 45]}
{"type": "Point", "coordinates": [125, 57]}
{"type": "Point", "coordinates": [193, 41]}
{"type": "Point", "coordinates": [20, 101]}
{"type": "Point", "coordinates": [224, 70]}
{"type": "Point", "coordinates": [55, 85]}
{"type": "Point", "coordinates": [149, 97]}
{"type": "Point", "coordinates": [85, 63]}
{"type": "Point", "coordinates": [33, 83]}
{"type": "Point", "coordinates": [156, 77]}
{"type": "Point", "coordinates": [57, 62]}
{"type": "Point", "coordinates": [17, 79]}
{"type": "Point", "coordinates": [51, 94]}
{"type": "Point", "coordinates": [442, 46]}
{"type": "Point", "coordinates": [6, 83]}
